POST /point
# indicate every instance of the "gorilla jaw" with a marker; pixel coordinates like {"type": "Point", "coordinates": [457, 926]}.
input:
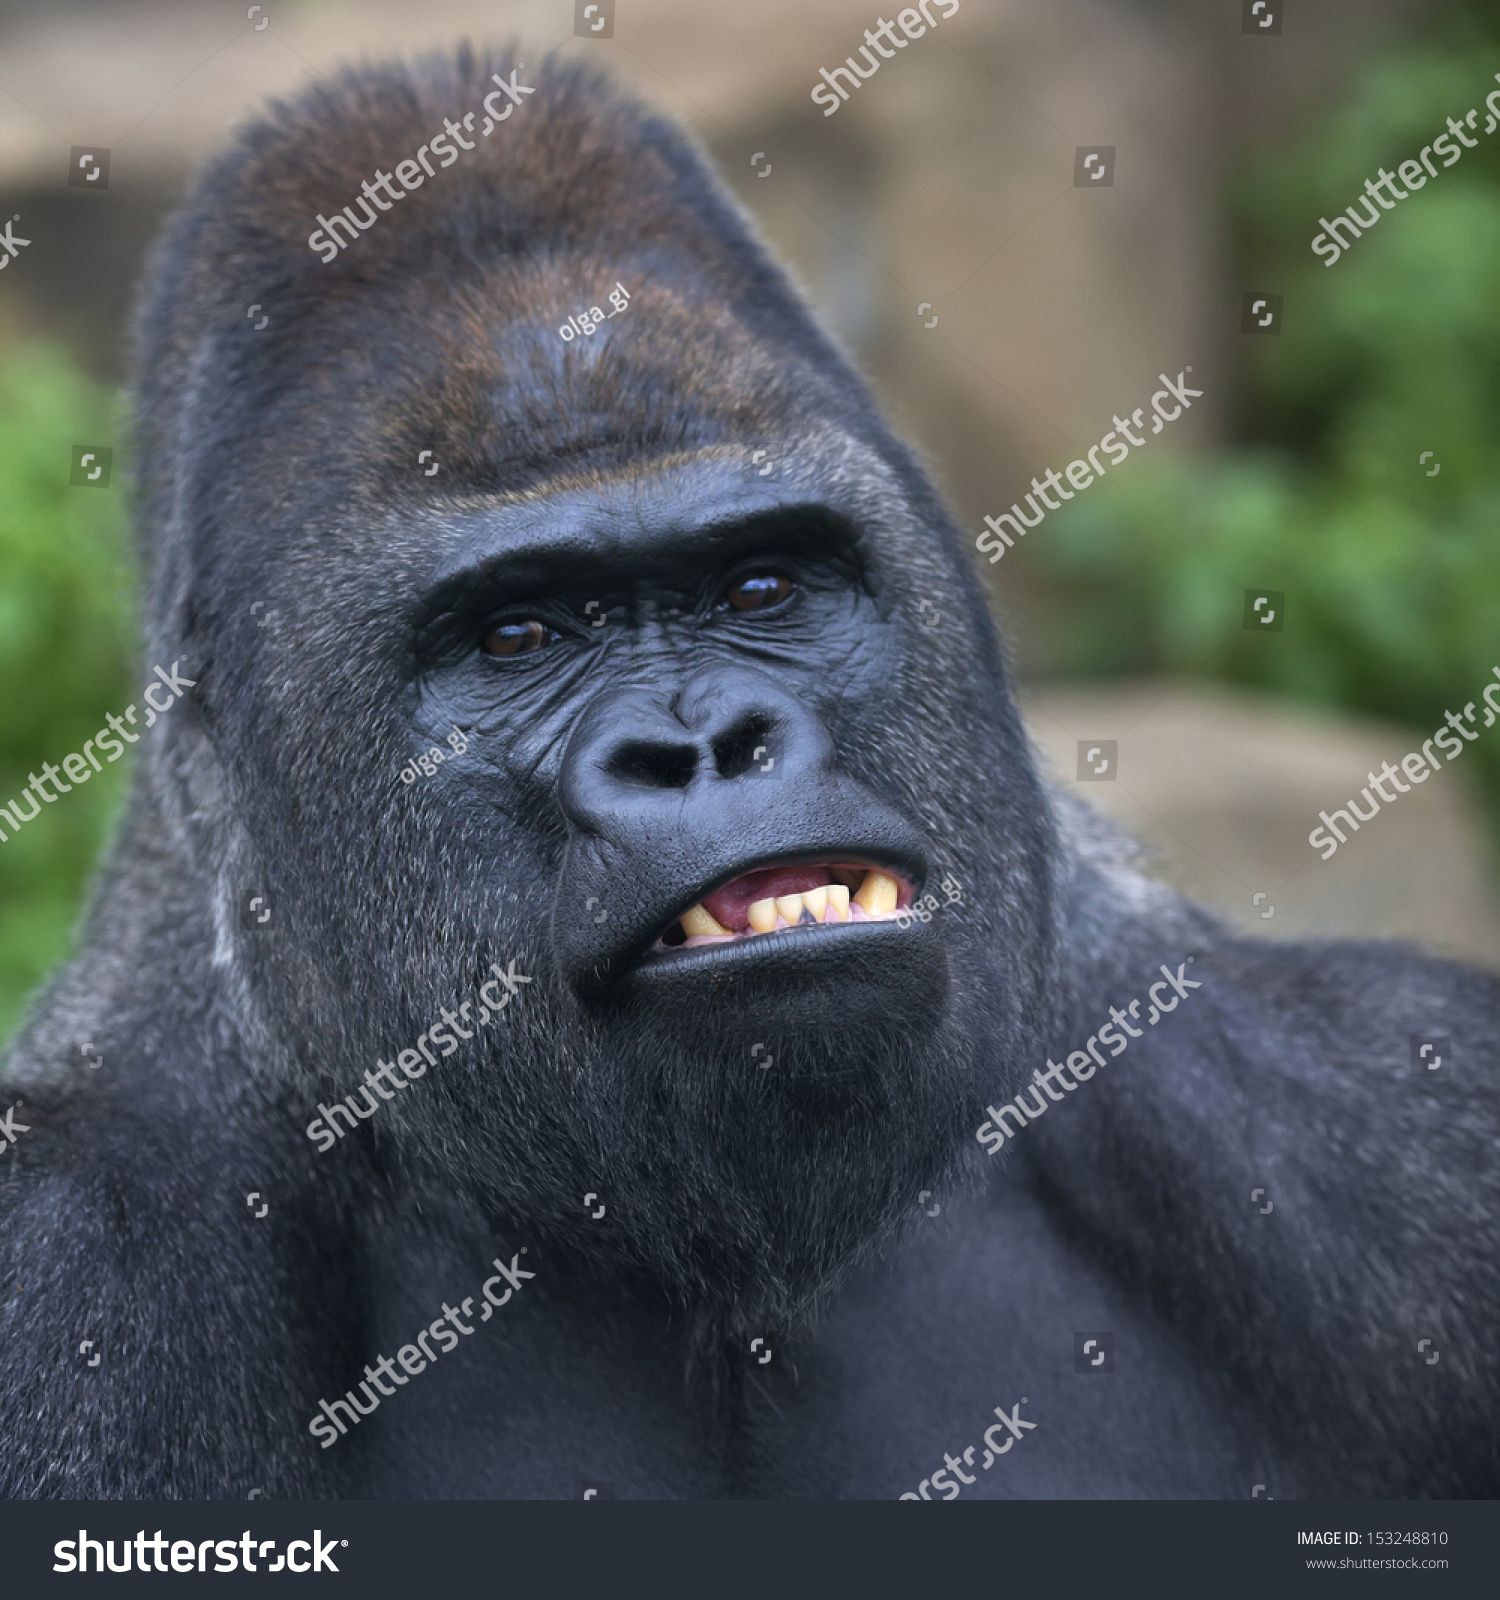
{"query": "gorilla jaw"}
{"type": "Point", "coordinates": [750, 1181]}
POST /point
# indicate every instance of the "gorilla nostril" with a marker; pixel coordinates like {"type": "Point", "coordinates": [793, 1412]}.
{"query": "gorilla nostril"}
{"type": "Point", "coordinates": [650, 765]}
{"type": "Point", "coordinates": [738, 750]}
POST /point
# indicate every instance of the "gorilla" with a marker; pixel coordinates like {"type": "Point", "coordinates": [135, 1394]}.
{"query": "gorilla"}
{"type": "Point", "coordinates": [591, 988]}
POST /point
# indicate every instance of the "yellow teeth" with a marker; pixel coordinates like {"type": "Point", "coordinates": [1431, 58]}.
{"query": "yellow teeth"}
{"type": "Point", "coordinates": [698, 924]}
{"type": "Point", "coordinates": [828, 904]}
{"type": "Point", "coordinates": [877, 894]}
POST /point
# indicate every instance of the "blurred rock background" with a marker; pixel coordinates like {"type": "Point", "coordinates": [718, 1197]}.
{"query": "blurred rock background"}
{"type": "Point", "coordinates": [1223, 786]}
{"type": "Point", "coordinates": [944, 188]}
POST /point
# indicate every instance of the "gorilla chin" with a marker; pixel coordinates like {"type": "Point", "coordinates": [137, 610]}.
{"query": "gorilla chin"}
{"type": "Point", "coordinates": [764, 1142]}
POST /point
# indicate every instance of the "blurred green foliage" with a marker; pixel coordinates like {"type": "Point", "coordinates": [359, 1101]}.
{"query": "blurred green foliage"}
{"type": "Point", "coordinates": [66, 633]}
{"type": "Point", "coordinates": [1391, 576]}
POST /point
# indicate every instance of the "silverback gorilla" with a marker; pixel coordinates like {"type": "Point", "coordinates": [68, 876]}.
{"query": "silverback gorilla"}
{"type": "Point", "coordinates": [709, 1187]}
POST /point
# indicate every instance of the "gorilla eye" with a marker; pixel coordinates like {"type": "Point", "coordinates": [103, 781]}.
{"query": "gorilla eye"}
{"type": "Point", "coordinates": [518, 638]}
{"type": "Point", "coordinates": [759, 591]}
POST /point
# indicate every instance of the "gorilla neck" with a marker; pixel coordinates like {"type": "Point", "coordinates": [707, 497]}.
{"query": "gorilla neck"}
{"type": "Point", "coordinates": [735, 1199]}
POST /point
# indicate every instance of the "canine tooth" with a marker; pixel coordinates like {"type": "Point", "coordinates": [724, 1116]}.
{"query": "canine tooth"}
{"type": "Point", "coordinates": [762, 916]}
{"type": "Point", "coordinates": [838, 903]}
{"type": "Point", "coordinates": [698, 923]}
{"type": "Point", "coordinates": [816, 901]}
{"type": "Point", "coordinates": [790, 907]}
{"type": "Point", "coordinates": [877, 894]}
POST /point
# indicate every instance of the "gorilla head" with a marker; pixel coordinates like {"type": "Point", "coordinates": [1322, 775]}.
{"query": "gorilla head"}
{"type": "Point", "coordinates": [691, 700]}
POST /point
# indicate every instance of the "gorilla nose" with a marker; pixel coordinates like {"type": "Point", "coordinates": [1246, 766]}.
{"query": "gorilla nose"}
{"type": "Point", "coordinates": [726, 726]}
{"type": "Point", "coordinates": [670, 797]}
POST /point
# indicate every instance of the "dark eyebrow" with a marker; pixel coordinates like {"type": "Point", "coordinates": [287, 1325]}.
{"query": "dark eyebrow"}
{"type": "Point", "coordinates": [591, 539]}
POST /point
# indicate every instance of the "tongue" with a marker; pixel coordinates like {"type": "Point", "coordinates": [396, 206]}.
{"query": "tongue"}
{"type": "Point", "coordinates": [729, 906]}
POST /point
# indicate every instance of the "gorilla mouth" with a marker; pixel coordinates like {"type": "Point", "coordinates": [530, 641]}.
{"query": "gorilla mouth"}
{"type": "Point", "coordinates": [795, 895]}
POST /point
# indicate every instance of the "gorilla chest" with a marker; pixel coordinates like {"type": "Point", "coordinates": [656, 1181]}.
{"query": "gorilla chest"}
{"type": "Point", "coordinates": [982, 1360]}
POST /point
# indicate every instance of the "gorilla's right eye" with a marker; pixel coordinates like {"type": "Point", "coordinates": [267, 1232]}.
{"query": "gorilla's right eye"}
{"type": "Point", "coordinates": [520, 638]}
{"type": "Point", "coordinates": [759, 591]}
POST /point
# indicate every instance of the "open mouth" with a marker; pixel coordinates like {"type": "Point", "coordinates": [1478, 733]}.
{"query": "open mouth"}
{"type": "Point", "coordinates": [782, 898]}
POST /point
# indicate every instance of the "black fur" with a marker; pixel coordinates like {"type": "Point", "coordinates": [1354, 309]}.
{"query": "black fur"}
{"type": "Point", "coordinates": [278, 469]}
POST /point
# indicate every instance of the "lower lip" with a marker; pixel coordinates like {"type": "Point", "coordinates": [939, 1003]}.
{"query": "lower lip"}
{"type": "Point", "coordinates": [805, 939]}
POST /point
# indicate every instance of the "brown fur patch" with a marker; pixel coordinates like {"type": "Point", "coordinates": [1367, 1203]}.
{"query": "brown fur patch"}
{"type": "Point", "coordinates": [437, 328]}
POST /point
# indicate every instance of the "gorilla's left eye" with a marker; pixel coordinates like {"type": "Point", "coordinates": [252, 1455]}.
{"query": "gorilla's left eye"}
{"type": "Point", "coordinates": [519, 638]}
{"type": "Point", "coordinates": [759, 591]}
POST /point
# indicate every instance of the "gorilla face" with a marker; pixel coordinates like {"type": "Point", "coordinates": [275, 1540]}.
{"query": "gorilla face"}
{"type": "Point", "coordinates": [689, 744]}
{"type": "Point", "coordinates": [717, 731]}
{"type": "Point", "coordinates": [696, 824]}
